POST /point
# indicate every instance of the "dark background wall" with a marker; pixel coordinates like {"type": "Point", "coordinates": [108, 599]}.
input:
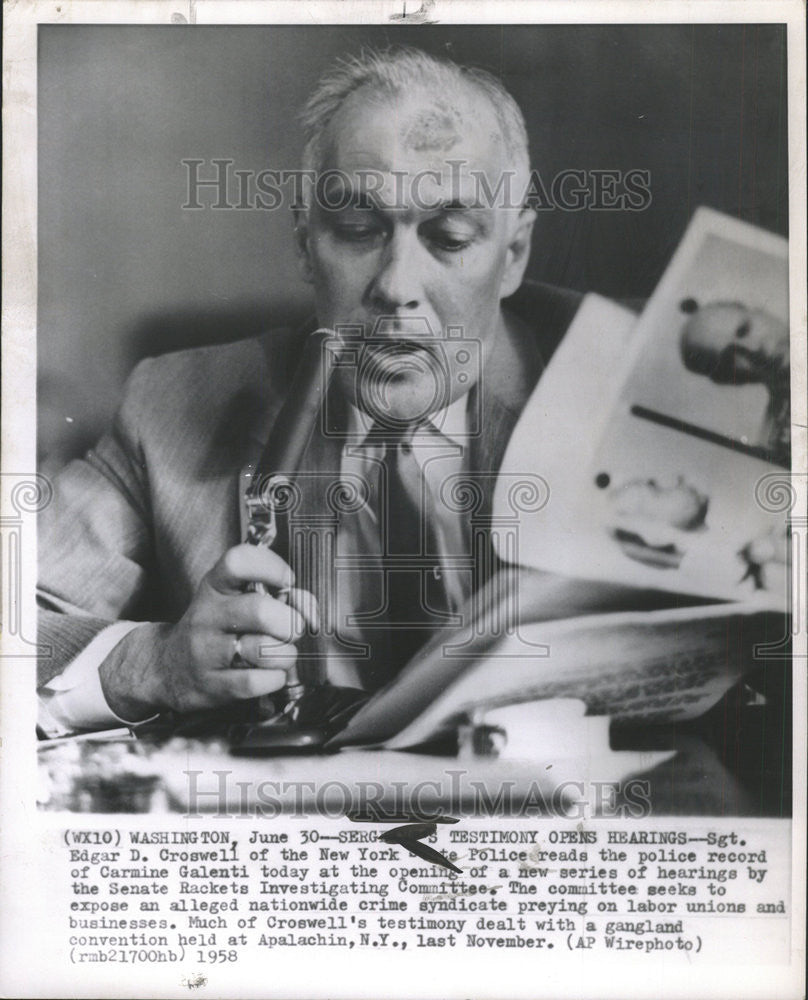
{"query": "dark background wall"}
{"type": "Point", "coordinates": [125, 271]}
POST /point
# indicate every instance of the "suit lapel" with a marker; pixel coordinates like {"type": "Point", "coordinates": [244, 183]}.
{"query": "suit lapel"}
{"type": "Point", "coordinates": [508, 378]}
{"type": "Point", "coordinates": [313, 522]}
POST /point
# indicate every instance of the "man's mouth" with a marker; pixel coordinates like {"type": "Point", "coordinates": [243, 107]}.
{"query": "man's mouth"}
{"type": "Point", "coordinates": [400, 356]}
{"type": "Point", "coordinates": [400, 345]}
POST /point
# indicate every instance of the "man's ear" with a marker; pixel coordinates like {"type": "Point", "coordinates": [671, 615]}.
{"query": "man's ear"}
{"type": "Point", "coordinates": [518, 253]}
{"type": "Point", "coordinates": [301, 218]}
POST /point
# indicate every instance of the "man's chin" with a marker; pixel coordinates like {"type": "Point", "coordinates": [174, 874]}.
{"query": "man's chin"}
{"type": "Point", "coordinates": [402, 380]}
{"type": "Point", "coordinates": [405, 397]}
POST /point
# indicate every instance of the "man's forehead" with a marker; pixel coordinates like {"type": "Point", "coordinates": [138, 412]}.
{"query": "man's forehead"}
{"type": "Point", "coordinates": [405, 190]}
{"type": "Point", "coordinates": [436, 128]}
{"type": "Point", "coordinates": [416, 133]}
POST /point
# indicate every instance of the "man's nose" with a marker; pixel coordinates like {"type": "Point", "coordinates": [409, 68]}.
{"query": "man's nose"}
{"type": "Point", "coordinates": [397, 282]}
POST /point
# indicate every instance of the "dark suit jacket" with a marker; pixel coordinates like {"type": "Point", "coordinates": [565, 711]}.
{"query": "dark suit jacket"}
{"type": "Point", "coordinates": [136, 524]}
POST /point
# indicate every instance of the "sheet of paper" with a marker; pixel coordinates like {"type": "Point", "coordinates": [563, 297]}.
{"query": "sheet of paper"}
{"type": "Point", "coordinates": [661, 666]}
{"type": "Point", "coordinates": [152, 154]}
{"type": "Point", "coordinates": [693, 405]}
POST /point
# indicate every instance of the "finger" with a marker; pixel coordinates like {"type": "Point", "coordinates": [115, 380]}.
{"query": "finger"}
{"type": "Point", "coordinates": [229, 685]}
{"type": "Point", "coordinates": [306, 604]}
{"type": "Point", "coordinates": [245, 564]}
{"type": "Point", "coordinates": [266, 652]}
{"type": "Point", "coordinates": [261, 614]}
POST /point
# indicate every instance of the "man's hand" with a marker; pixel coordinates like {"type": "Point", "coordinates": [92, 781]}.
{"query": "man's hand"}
{"type": "Point", "coordinates": [186, 667]}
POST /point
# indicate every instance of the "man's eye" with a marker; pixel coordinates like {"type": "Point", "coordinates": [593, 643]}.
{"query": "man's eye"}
{"type": "Point", "coordinates": [356, 233]}
{"type": "Point", "coordinates": [450, 241]}
{"type": "Point", "coordinates": [448, 237]}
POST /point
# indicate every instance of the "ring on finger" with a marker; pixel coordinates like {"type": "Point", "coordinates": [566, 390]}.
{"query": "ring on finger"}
{"type": "Point", "coordinates": [237, 661]}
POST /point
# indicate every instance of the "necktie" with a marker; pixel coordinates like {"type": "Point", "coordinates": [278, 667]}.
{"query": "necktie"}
{"type": "Point", "coordinates": [415, 595]}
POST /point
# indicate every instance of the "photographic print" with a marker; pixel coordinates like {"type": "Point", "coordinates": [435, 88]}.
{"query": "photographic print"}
{"type": "Point", "coordinates": [403, 476]}
{"type": "Point", "coordinates": [695, 426]}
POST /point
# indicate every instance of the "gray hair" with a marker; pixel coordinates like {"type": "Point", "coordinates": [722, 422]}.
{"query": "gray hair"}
{"type": "Point", "coordinates": [394, 70]}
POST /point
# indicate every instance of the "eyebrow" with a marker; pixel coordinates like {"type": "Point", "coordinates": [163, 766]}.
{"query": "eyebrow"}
{"type": "Point", "coordinates": [457, 205]}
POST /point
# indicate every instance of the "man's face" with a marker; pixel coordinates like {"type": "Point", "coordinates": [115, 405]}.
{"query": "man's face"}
{"type": "Point", "coordinates": [413, 250]}
{"type": "Point", "coordinates": [733, 344]}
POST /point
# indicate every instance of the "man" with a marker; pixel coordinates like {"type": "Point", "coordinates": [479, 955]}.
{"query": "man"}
{"type": "Point", "coordinates": [148, 594]}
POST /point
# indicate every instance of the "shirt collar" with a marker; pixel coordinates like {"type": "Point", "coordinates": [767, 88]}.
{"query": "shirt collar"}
{"type": "Point", "coordinates": [450, 422]}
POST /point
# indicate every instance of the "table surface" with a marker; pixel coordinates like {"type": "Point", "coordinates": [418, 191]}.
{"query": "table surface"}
{"type": "Point", "coordinates": [733, 762]}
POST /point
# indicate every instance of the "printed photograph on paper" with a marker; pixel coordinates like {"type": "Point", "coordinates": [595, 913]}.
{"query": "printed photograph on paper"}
{"type": "Point", "coordinates": [696, 418]}
{"type": "Point", "coordinates": [417, 501]}
{"type": "Point", "coordinates": [343, 348]}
